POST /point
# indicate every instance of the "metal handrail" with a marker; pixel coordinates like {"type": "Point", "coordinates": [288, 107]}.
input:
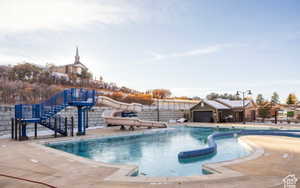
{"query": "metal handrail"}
{"type": "Point", "coordinates": [54, 104]}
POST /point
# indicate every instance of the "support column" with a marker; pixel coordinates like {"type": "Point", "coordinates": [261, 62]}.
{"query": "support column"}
{"type": "Point", "coordinates": [55, 127]}
{"type": "Point", "coordinates": [16, 128]}
{"type": "Point", "coordinates": [35, 130]}
{"type": "Point", "coordinates": [87, 119]}
{"type": "Point", "coordinates": [66, 126]}
{"type": "Point", "coordinates": [84, 120]}
{"type": "Point", "coordinates": [23, 131]}
{"type": "Point", "coordinates": [19, 130]}
{"type": "Point", "coordinates": [12, 128]}
{"type": "Point", "coordinates": [72, 126]}
{"type": "Point", "coordinates": [81, 129]}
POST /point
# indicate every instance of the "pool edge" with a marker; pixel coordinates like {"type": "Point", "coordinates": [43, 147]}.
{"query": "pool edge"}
{"type": "Point", "coordinates": [123, 172]}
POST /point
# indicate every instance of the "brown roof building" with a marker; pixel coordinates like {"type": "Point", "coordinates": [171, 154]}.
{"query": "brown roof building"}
{"type": "Point", "coordinates": [223, 110]}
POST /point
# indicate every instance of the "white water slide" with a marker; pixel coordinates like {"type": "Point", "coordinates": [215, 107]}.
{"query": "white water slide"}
{"type": "Point", "coordinates": [134, 122]}
{"type": "Point", "coordinates": [106, 101]}
{"type": "Point", "coordinates": [117, 106]}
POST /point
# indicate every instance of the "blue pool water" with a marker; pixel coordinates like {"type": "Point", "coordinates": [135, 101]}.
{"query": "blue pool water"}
{"type": "Point", "coordinates": [156, 154]}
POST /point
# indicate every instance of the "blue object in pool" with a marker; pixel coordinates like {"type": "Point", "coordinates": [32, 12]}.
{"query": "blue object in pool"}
{"type": "Point", "coordinates": [212, 146]}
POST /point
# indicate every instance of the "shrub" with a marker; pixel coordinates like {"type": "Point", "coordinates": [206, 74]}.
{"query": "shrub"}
{"type": "Point", "coordinates": [290, 114]}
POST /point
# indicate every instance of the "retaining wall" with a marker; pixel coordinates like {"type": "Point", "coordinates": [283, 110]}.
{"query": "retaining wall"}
{"type": "Point", "coordinates": [8, 111]}
{"type": "Point", "coordinates": [164, 115]}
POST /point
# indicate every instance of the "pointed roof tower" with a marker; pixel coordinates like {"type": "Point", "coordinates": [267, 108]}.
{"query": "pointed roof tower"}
{"type": "Point", "coordinates": [77, 57]}
{"type": "Point", "coordinates": [77, 62]}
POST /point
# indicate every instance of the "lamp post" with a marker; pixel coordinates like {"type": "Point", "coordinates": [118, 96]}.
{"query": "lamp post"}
{"type": "Point", "coordinates": [157, 109]}
{"type": "Point", "coordinates": [243, 94]}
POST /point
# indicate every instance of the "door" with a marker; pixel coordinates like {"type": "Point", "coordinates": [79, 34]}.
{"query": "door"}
{"type": "Point", "coordinates": [241, 116]}
{"type": "Point", "coordinates": [253, 115]}
{"type": "Point", "coordinates": [203, 116]}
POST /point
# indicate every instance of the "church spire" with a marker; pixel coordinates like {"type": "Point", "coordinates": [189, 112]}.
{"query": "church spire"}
{"type": "Point", "coordinates": [77, 56]}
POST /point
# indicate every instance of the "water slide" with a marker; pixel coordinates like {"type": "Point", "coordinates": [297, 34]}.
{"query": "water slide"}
{"type": "Point", "coordinates": [111, 119]}
{"type": "Point", "coordinates": [134, 122]}
{"type": "Point", "coordinates": [106, 101]}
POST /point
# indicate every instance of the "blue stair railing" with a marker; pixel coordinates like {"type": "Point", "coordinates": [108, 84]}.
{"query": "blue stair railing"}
{"type": "Point", "coordinates": [46, 112]}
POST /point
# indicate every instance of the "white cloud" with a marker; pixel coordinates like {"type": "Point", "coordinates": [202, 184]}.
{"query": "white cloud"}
{"type": "Point", "coordinates": [200, 51]}
{"type": "Point", "coordinates": [28, 15]}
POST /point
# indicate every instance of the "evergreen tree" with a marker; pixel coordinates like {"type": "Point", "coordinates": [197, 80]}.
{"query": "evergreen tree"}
{"type": "Point", "coordinates": [275, 98]}
{"type": "Point", "coordinates": [264, 112]}
{"type": "Point", "coordinates": [292, 99]}
{"type": "Point", "coordinates": [260, 99]}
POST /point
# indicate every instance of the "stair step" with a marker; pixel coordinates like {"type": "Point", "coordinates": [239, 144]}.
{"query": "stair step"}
{"type": "Point", "coordinates": [60, 131]}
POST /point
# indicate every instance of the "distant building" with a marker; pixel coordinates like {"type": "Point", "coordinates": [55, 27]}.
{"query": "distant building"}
{"type": "Point", "coordinates": [76, 68]}
{"type": "Point", "coordinates": [60, 75]}
{"type": "Point", "coordinates": [223, 110]}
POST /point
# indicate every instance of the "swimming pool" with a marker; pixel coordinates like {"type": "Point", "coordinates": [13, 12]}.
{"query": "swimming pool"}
{"type": "Point", "coordinates": [156, 153]}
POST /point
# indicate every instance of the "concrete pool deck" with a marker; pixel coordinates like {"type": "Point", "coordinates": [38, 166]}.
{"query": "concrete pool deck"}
{"type": "Point", "coordinates": [248, 125]}
{"type": "Point", "coordinates": [30, 160]}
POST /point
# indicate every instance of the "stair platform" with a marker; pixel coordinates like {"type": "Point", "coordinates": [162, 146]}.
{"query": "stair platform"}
{"type": "Point", "coordinates": [81, 103]}
{"type": "Point", "coordinates": [32, 120]}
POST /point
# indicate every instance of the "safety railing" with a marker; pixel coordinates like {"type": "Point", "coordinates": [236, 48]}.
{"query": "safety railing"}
{"type": "Point", "coordinates": [83, 95]}
{"type": "Point", "coordinates": [54, 104]}
{"type": "Point", "coordinates": [50, 105]}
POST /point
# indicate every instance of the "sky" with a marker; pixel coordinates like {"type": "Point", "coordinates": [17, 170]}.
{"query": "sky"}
{"type": "Point", "coordinates": [191, 47]}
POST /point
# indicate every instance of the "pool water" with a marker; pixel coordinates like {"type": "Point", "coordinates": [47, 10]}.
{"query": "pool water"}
{"type": "Point", "coordinates": [156, 154]}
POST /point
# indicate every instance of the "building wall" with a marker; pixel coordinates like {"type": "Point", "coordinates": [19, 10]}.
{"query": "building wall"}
{"type": "Point", "coordinates": [248, 113]}
{"type": "Point", "coordinates": [67, 69]}
{"type": "Point", "coordinates": [205, 107]}
{"type": "Point", "coordinates": [235, 113]}
{"type": "Point", "coordinates": [60, 69]}
{"type": "Point", "coordinates": [78, 70]}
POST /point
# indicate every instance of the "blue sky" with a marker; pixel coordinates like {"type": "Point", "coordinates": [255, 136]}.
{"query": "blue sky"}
{"type": "Point", "coordinates": [191, 47]}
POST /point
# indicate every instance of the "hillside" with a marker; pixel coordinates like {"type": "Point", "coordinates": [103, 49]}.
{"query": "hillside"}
{"type": "Point", "coordinates": [29, 83]}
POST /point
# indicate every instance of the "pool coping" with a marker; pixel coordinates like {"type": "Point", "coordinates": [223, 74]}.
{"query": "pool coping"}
{"type": "Point", "coordinates": [218, 167]}
{"type": "Point", "coordinates": [243, 126]}
{"type": "Point", "coordinates": [123, 172]}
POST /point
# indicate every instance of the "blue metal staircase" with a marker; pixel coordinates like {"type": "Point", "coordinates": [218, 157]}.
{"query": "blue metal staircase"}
{"type": "Point", "coordinates": [46, 113]}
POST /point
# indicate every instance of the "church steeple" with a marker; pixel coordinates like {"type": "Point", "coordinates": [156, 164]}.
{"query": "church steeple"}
{"type": "Point", "coordinates": [77, 57]}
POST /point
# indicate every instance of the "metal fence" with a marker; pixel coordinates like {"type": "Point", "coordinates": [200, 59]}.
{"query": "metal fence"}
{"type": "Point", "coordinates": [170, 105]}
